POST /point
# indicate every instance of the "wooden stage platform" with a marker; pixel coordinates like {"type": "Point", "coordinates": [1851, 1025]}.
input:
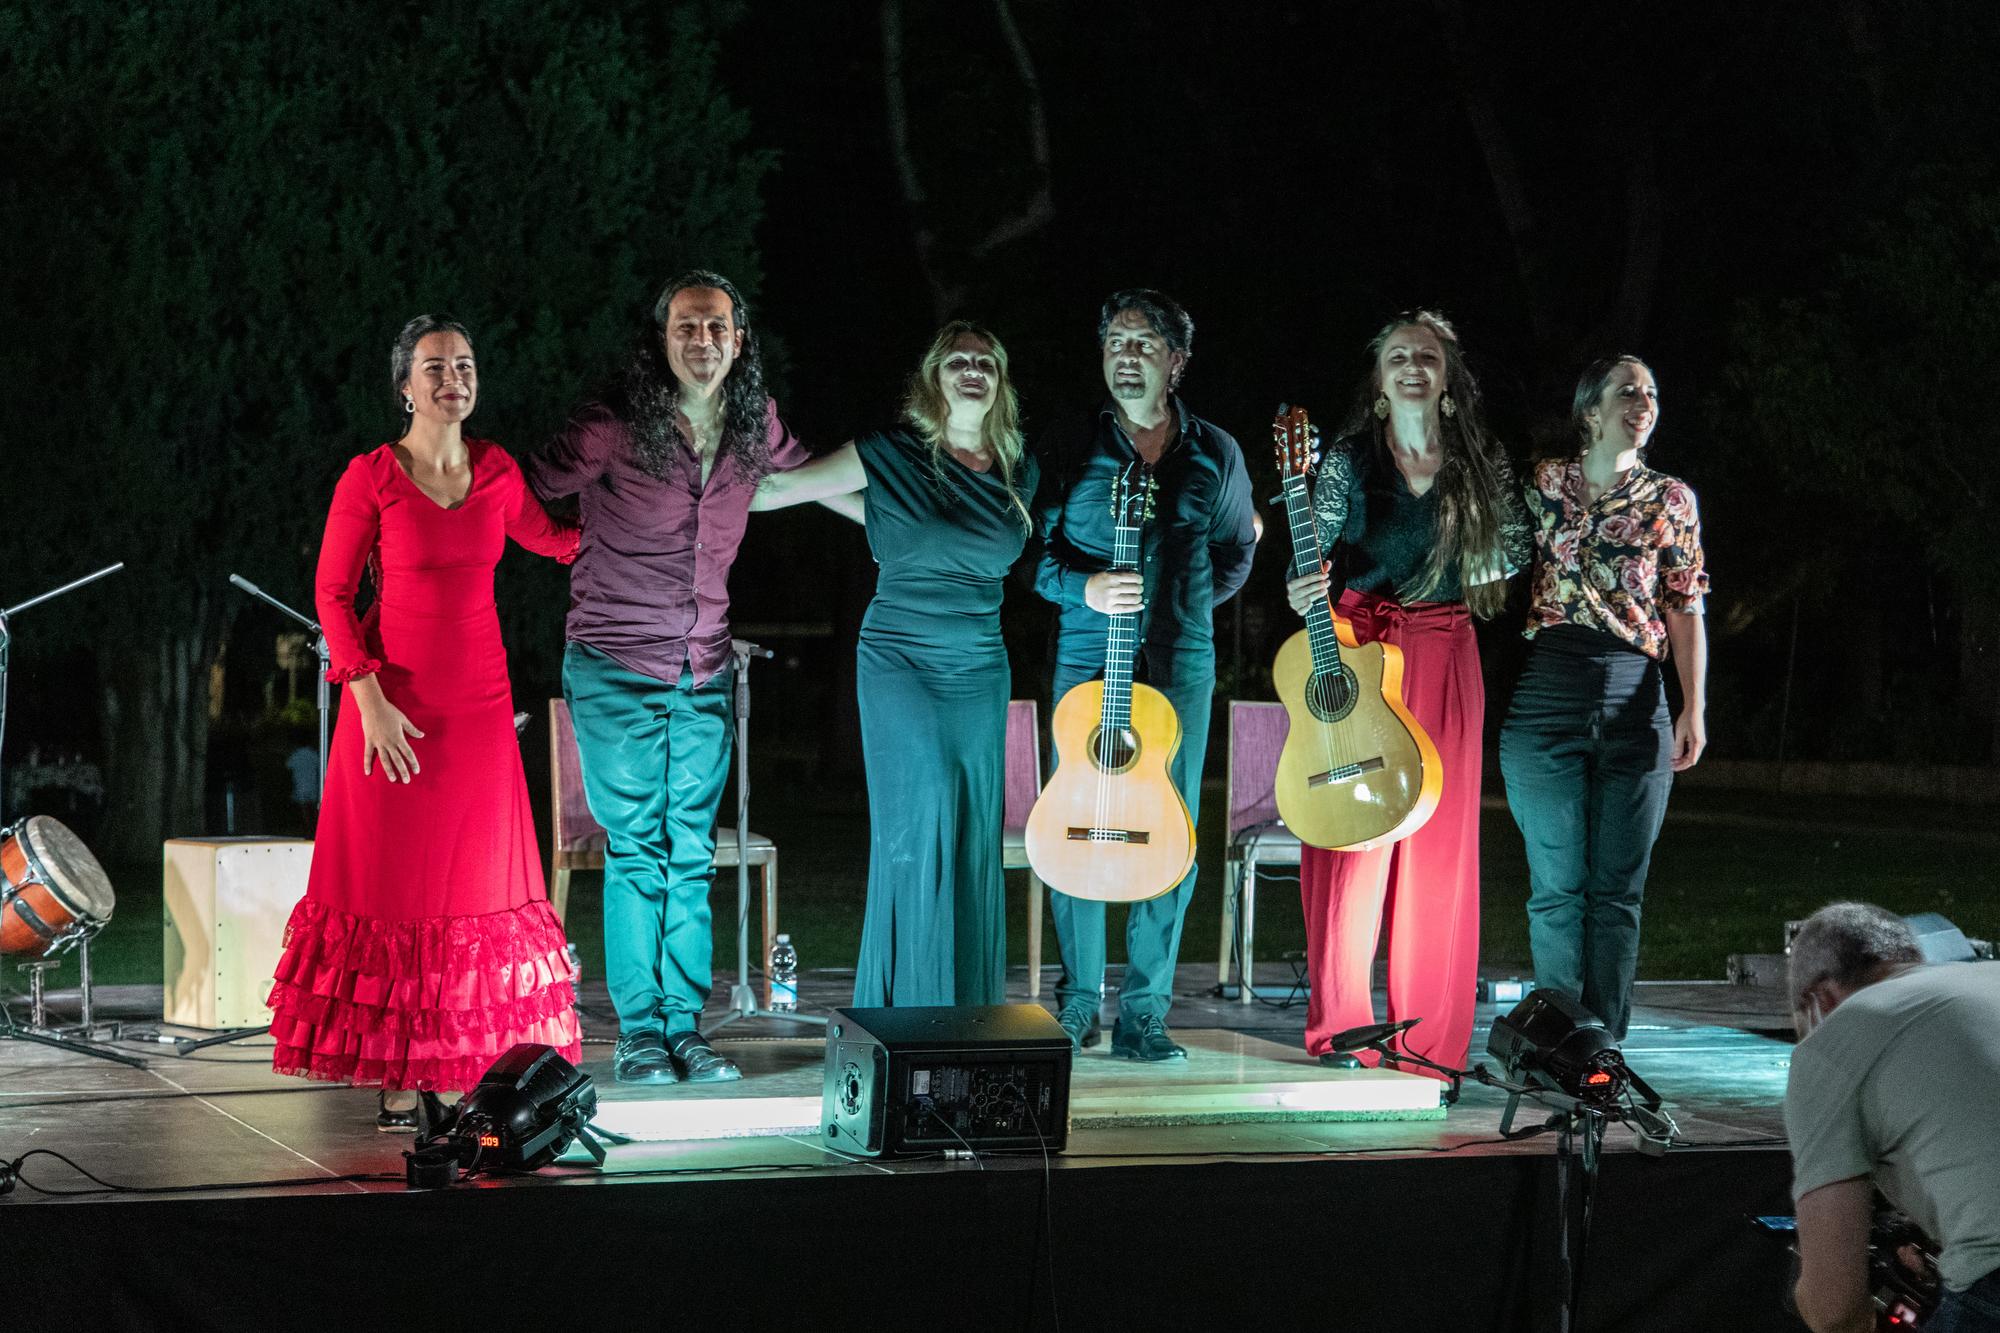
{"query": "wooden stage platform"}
{"type": "Point", "coordinates": [1247, 1187]}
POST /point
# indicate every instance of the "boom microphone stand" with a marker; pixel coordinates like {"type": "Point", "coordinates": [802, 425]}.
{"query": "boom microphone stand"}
{"type": "Point", "coordinates": [189, 1045]}
{"type": "Point", "coordinates": [743, 996]}
{"type": "Point", "coordinates": [325, 697]}
{"type": "Point", "coordinates": [37, 1029]}
{"type": "Point", "coordinates": [6, 638]}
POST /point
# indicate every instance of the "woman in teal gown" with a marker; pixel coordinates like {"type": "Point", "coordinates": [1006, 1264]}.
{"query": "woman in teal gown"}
{"type": "Point", "coordinates": [945, 495]}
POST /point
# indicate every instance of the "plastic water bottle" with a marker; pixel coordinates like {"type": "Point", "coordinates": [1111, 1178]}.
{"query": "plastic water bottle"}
{"type": "Point", "coordinates": [784, 976]}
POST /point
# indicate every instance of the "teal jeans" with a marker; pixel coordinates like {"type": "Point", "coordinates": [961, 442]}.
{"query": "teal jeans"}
{"type": "Point", "coordinates": [655, 757]}
{"type": "Point", "coordinates": [1153, 927]}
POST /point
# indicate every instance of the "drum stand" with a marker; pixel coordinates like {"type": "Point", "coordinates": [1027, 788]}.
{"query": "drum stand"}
{"type": "Point", "coordinates": [80, 1040]}
{"type": "Point", "coordinates": [743, 996]}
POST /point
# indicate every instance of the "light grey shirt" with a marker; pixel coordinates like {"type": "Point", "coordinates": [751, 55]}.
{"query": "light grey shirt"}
{"type": "Point", "coordinates": [1902, 1083]}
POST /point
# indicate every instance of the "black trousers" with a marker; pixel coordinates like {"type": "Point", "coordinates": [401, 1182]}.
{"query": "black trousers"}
{"type": "Point", "coordinates": [1586, 753]}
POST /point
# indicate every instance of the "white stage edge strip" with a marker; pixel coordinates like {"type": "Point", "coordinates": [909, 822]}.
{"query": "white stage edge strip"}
{"type": "Point", "coordinates": [1360, 1094]}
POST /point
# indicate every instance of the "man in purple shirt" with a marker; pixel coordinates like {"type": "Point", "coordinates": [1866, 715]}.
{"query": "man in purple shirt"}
{"type": "Point", "coordinates": [664, 471]}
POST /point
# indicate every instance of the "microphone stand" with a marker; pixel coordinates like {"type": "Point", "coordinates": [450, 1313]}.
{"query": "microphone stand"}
{"type": "Point", "coordinates": [36, 1030]}
{"type": "Point", "coordinates": [185, 1046]}
{"type": "Point", "coordinates": [325, 695]}
{"type": "Point", "coordinates": [6, 639]}
{"type": "Point", "coordinates": [1576, 1119]}
{"type": "Point", "coordinates": [743, 996]}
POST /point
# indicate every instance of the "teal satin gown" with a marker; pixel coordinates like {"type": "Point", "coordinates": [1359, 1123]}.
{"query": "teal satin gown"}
{"type": "Point", "coordinates": [933, 686]}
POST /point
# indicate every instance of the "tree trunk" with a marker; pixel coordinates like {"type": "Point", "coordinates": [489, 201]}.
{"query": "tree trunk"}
{"type": "Point", "coordinates": [154, 710]}
{"type": "Point", "coordinates": [1643, 227]}
{"type": "Point", "coordinates": [1980, 665]}
{"type": "Point", "coordinates": [944, 265]}
{"type": "Point", "coordinates": [1503, 168]}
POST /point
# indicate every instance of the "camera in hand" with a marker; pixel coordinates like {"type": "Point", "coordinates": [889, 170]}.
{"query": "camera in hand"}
{"type": "Point", "coordinates": [1902, 1266]}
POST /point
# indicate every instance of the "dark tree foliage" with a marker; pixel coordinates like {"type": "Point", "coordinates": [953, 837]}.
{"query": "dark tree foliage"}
{"type": "Point", "coordinates": [218, 215]}
{"type": "Point", "coordinates": [1867, 403]}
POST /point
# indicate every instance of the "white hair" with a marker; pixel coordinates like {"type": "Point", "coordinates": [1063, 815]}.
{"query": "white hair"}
{"type": "Point", "coordinates": [1844, 942]}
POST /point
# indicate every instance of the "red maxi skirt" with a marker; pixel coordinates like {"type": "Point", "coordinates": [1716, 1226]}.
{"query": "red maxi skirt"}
{"type": "Point", "coordinates": [1428, 883]}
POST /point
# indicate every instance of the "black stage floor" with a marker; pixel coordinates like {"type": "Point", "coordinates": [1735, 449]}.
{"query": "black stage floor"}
{"type": "Point", "coordinates": [1262, 1219]}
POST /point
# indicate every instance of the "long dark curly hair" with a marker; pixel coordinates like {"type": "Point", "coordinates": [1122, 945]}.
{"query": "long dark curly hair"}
{"type": "Point", "coordinates": [1471, 482]}
{"type": "Point", "coordinates": [647, 397]}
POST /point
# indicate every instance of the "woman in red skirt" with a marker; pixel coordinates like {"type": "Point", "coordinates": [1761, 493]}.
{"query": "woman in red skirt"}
{"type": "Point", "coordinates": [425, 947]}
{"type": "Point", "coordinates": [1422, 525]}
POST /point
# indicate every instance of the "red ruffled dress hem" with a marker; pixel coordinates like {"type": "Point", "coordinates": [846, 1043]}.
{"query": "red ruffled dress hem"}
{"type": "Point", "coordinates": [427, 1004]}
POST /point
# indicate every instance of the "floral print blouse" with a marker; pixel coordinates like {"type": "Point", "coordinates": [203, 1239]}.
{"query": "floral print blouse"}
{"type": "Point", "coordinates": [1617, 565]}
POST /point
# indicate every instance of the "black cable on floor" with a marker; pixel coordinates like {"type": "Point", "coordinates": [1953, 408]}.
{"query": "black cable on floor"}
{"type": "Point", "coordinates": [11, 1174]}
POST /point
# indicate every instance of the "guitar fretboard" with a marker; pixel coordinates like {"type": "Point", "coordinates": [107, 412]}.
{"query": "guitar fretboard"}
{"type": "Point", "coordinates": [1306, 559]}
{"type": "Point", "coordinates": [1122, 640]}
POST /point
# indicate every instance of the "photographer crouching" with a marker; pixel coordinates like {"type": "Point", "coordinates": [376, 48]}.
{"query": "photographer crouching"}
{"type": "Point", "coordinates": [1895, 1084]}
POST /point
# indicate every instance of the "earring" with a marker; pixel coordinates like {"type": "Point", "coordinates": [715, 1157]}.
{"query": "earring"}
{"type": "Point", "coordinates": [410, 406]}
{"type": "Point", "coordinates": [1447, 406]}
{"type": "Point", "coordinates": [1382, 407]}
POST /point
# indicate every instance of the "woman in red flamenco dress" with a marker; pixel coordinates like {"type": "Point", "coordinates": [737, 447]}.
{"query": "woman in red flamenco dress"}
{"type": "Point", "coordinates": [425, 946]}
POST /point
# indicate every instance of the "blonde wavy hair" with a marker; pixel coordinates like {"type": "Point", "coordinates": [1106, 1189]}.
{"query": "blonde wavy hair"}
{"type": "Point", "coordinates": [926, 411]}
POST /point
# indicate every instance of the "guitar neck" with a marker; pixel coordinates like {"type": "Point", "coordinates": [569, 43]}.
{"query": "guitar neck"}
{"type": "Point", "coordinates": [1307, 559]}
{"type": "Point", "coordinates": [1121, 643]}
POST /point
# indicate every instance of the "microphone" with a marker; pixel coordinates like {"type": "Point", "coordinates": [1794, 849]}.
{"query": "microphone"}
{"type": "Point", "coordinates": [246, 585]}
{"type": "Point", "coordinates": [1361, 1038]}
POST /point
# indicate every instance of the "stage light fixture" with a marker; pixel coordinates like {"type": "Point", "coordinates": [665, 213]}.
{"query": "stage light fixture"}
{"type": "Point", "coordinates": [520, 1116]}
{"type": "Point", "coordinates": [1551, 1040]}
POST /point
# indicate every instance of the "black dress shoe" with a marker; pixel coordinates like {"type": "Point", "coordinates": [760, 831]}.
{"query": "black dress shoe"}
{"type": "Point", "coordinates": [1145, 1039]}
{"type": "Point", "coordinates": [1079, 1019]}
{"type": "Point", "coordinates": [698, 1061]}
{"type": "Point", "coordinates": [394, 1120]}
{"type": "Point", "coordinates": [642, 1058]}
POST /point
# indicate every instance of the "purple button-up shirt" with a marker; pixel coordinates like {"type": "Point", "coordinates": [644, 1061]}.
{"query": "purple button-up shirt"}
{"type": "Point", "coordinates": [650, 587]}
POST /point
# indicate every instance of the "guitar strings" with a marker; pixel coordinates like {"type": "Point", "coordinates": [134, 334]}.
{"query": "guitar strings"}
{"type": "Point", "coordinates": [1305, 537]}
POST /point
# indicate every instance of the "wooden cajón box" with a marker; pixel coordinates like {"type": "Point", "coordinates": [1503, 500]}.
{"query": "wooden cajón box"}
{"type": "Point", "coordinates": [227, 901]}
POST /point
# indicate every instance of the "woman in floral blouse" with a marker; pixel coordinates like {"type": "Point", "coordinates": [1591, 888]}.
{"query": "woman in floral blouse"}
{"type": "Point", "coordinates": [1588, 752]}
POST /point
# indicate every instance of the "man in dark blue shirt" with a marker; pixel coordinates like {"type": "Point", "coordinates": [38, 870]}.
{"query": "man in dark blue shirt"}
{"type": "Point", "coordinates": [1194, 554]}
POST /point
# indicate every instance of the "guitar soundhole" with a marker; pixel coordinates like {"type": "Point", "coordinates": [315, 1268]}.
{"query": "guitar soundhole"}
{"type": "Point", "coordinates": [1116, 753]}
{"type": "Point", "coordinates": [1332, 695]}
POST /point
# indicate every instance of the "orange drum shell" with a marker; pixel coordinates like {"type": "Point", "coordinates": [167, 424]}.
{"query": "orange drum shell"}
{"type": "Point", "coordinates": [16, 935]}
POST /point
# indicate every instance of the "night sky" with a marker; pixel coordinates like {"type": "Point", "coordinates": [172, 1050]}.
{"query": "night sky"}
{"type": "Point", "coordinates": [1792, 211]}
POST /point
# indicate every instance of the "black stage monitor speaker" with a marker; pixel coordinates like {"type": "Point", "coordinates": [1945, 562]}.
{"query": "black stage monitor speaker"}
{"type": "Point", "coordinates": [931, 1079]}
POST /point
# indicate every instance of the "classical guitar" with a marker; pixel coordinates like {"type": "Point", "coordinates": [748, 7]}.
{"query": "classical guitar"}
{"type": "Point", "coordinates": [1110, 824]}
{"type": "Point", "coordinates": [1357, 770]}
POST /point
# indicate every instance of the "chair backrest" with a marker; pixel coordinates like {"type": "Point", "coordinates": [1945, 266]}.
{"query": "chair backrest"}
{"type": "Point", "coordinates": [1256, 735]}
{"type": "Point", "coordinates": [569, 808]}
{"type": "Point", "coordinates": [1024, 763]}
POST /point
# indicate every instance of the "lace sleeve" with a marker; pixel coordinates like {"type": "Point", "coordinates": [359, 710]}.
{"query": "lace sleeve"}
{"type": "Point", "coordinates": [1333, 494]}
{"type": "Point", "coordinates": [1517, 538]}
